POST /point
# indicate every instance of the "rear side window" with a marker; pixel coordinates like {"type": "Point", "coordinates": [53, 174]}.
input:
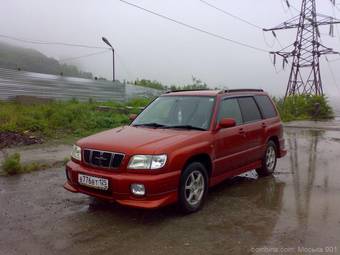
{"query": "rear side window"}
{"type": "Point", "coordinates": [230, 109]}
{"type": "Point", "coordinates": [249, 109]}
{"type": "Point", "coordinates": [266, 106]}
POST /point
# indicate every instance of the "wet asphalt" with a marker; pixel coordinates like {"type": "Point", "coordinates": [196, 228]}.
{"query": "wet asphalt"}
{"type": "Point", "coordinates": [295, 211]}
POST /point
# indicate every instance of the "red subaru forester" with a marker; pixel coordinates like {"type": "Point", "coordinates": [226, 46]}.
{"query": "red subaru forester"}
{"type": "Point", "coordinates": [179, 146]}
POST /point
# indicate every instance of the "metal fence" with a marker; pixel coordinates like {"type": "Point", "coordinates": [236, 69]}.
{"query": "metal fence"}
{"type": "Point", "coordinates": [15, 83]}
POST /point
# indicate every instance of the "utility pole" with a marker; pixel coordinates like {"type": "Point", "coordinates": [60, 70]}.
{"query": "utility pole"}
{"type": "Point", "coordinates": [113, 57]}
{"type": "Point", "coordinates": [305, 77]}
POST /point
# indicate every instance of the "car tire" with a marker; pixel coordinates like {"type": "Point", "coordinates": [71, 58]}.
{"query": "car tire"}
{"type": "Point", "coordinates": [269, 160]}
{"type": "Point", "coordinates": [193, 187]}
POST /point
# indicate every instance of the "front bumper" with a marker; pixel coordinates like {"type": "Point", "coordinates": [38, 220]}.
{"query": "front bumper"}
{"type": "Point", "coordinates": [161, 189]}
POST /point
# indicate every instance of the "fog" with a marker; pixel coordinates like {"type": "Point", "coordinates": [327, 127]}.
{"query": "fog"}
{"type": "Point", "coordinates": [152, 48]}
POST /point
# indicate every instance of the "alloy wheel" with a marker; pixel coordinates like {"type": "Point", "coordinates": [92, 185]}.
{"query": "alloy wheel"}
{"type": "Point", "coordinates": [270, 158]}
{"type": "Point", "coordinates": [194, 188]}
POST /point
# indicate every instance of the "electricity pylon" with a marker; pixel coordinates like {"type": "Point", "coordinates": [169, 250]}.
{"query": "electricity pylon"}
{"type": "Point", "coordinates": [305, 77]}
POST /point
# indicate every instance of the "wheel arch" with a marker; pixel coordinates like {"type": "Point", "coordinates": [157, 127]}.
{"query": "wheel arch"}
{"type": "Point", "coordinates": [275, 139]}
{"type": "Point", "coordinates": [202, 158]}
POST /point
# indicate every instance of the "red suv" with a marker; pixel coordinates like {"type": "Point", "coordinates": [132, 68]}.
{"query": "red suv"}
{"type": "Point", "coordinates": [179, 146]}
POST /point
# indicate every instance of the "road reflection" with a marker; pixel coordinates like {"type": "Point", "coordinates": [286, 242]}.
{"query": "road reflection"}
{"type": "Point", "coordinates": [303, 189]}
{"type": "Point", "coordinates": [311, 204]}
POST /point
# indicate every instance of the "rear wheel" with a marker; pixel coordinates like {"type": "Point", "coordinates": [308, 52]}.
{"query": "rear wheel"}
{"type": "Point", "coordinates": [269, 160]}
{"type": "Point", "coordinates": [193, 187]}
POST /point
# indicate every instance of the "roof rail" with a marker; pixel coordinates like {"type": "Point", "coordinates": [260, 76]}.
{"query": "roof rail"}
{"type": "Point", "coordinates": [179, 90]}
{"type": "Point", "coordinates": [240, 90]}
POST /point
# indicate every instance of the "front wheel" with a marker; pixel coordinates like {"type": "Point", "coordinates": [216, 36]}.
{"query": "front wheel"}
{"type": "Point", "coordinates": [269, 160]}
{"type": "Point", "coordinates": [193, 187]}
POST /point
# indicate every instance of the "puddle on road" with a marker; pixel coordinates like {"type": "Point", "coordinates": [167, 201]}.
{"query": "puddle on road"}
{"type": "Point", "coordinates": [298, 206]}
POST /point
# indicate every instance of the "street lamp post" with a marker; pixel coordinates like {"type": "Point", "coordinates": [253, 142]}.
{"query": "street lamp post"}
{"type": "Point", "coordinates": [113, 57]}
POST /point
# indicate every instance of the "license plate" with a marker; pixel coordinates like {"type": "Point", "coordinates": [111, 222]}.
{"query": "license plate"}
{"type": "Point", "coordinates": [93, 182]}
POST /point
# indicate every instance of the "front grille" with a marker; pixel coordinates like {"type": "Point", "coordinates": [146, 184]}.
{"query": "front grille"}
{"type": "Point", "coordinates": [102, 158]}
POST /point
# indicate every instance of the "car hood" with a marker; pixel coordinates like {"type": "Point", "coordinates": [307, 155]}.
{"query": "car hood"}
{"type": "Point", "coordinates": [133, 140]}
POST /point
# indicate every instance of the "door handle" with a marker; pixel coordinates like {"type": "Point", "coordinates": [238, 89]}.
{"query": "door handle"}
{"type": "Point", "coordinates": [264, 125]}
{"type": "Point", "coordinates": [242, 132]}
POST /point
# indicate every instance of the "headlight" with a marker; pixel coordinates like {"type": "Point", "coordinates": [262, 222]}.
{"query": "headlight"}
{"type": "Point", "coordinates": [76, 152]}
{"type": "Point", "coordinates": [147, 161]}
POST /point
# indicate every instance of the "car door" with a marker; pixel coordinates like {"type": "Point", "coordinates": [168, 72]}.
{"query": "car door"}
{"type": "Point", "coordinates": [270, 122]}
{"type": "Point", "coordinates": [229, 142]}
{"type": "Point", "coordinates": [253, 128]}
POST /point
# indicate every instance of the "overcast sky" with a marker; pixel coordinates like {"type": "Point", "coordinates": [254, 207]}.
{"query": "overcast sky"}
{"type": "Point", "coordinates": [152, 48]}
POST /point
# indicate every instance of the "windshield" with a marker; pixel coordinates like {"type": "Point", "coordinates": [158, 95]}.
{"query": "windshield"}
{"type": "Point", "coordinates": [178, 112]}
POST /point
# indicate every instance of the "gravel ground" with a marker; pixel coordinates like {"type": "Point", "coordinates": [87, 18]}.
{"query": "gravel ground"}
{"type": "Point", "coordinates": [296, 210]}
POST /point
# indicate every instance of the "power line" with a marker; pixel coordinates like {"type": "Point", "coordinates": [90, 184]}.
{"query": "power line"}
{"type": "Point", "coordinates": [244, 21]}
{"type": "Point", "coordinates": [50, 43]}
{"type": "Point", "coordinates": [296, 9]}
{"type": "Point", "coordinates": [230, 14]}
{"type": "Point", "coordinates": [193, 27]}
{"type": "Point", "coordinates": [288, 8]}
{"type": "Point", "coordinates": [272, 62]}
{"type": "Point", "coordinates": [270, 45]}
{"type": "Point", "coordinates": [334, 60]}
{"type": "Point", "coordinates": [335, 5]}
{"type": "Point", "coordinates": [85, 56]}
{"type": "Point", "coordinates": [333, 75]}
{"type": "Point", "coordinates": [336, 27]}
{"type": "Point", "coordinates": [122, 62]}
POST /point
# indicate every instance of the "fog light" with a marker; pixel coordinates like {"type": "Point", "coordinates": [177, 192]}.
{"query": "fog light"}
{"type": "Point", "coordinates": [138, 189]}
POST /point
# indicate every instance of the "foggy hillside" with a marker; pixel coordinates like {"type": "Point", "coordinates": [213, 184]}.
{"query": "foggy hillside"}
{"type": "Point", "coordinates": [14, 57]}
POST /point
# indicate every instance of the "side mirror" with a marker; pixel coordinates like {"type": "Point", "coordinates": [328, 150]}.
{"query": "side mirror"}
{"type": "Point", "coordinates": [226, 123]}
{"type": "Point", "coordinates": [132, 117]}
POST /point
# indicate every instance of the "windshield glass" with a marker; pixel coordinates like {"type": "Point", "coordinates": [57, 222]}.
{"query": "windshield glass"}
{"type": "Point", "coordinates": [177, 112]}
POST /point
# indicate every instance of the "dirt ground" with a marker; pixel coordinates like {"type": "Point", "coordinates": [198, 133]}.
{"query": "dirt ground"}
{"type": "Point", "coordinates": [294, 212]}
{"type": "Point", "coordinates": [8, 139]}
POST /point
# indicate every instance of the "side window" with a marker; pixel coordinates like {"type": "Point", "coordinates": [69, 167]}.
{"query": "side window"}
{"type": "Point", "coordinates": [249, 109]}
{"type": "Point", "coordinates": [266, 106]}
{"type": "Point", "coordinates": [229, 108]}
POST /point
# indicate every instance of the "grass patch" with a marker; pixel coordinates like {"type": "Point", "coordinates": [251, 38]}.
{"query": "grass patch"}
{"type": "Point", "coordinates": [12, 165]}
{"type": "Point", "coordinates": [33, 166]}
{"type": "Point", "coordinates": [304, 107]}
{"type": "Point", "coordinates": [65, 160]}
{"type": "Point", "coordinates": [65, 119]}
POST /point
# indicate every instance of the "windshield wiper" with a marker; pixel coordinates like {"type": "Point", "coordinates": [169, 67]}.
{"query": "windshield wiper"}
{"type": "Point", "coordinates": [151, 124]}
{"type": "Point", "coordinates": [186, 127]}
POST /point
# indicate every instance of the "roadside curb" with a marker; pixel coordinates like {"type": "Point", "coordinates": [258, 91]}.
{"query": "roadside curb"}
{"type": "Point", "coordinates": [319, 125]}
{"type": "Point", "coordinates": [332, 128]}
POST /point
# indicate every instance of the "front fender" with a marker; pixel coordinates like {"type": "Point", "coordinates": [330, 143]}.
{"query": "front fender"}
{"type": "Point", "coordinates": [181, 156]}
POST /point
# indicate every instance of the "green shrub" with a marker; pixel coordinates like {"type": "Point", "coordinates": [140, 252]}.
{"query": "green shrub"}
{"type": "Point", "coordinates": [65, 160]}
{"type": "Point", "coordinates": [139, 102]}
{"type": "Point", "coordinates": [33, 166]}
{"type": "Point", "coordinates": [196, 84]}
{"type": "Point", "coordinates": [11, 164]}
{"type": "Point", "coordinates": [149, 84]}
{"type": "Point", "coordinates": [303, 107]}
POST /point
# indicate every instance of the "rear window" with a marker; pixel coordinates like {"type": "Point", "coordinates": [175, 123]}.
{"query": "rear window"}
{"type": "Point", "coordinates": [266, 106]}
{"type": "Point", "coordinates": [249, 109]}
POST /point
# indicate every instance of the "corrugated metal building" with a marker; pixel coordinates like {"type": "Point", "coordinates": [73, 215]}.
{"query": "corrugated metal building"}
{"type": "Point", "coordinates": [20, 83]}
